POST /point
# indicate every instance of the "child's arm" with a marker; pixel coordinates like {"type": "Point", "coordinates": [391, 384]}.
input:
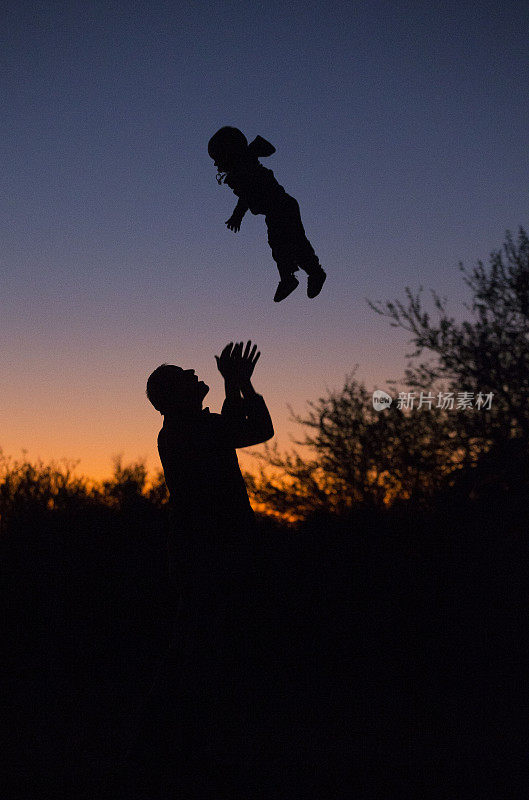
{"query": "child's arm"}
{"type": "Point", "coordinates": [234, 222]}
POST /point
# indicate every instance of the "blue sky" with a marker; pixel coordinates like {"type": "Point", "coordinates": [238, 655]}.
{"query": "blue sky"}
{"type": "Point", "coordinates": [400, 127]}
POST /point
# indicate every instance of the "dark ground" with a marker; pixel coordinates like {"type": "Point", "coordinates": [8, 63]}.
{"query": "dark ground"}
{"type": "Point", "coordinates": [392, 657]}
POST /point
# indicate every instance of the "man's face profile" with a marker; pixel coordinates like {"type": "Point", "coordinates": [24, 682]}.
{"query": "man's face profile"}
{"type": "Point", "coordinates": [183, 386]}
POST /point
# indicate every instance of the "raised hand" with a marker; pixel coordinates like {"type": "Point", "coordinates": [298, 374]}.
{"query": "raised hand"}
{"type": "Point", "coordinates": [247, 360]}
{"type": "Point", "coordinates": [237, 362]}
{"type": "Point", "coordinates": [224, 361]}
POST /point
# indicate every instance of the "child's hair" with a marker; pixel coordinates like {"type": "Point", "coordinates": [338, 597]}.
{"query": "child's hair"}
{"type": "Point", "coordinates": [229, 146]}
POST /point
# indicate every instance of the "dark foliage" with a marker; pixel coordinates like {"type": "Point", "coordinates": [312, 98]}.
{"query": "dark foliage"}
{"type": "Point", "coordinates": [378, 629]}
{"type": "Point", "coordinates": [355, 456]}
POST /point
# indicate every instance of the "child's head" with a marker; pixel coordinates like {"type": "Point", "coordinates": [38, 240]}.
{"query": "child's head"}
{"type": "Point", "coordinates": [228, 147]}
{"type": "Point", "coordinates": [171, 388]}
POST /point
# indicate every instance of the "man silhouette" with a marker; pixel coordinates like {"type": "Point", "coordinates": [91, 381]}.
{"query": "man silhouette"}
{"type": "Point", "coordinates": [197, 449]}
{"type": "Point", "coordinates": [193, 722]}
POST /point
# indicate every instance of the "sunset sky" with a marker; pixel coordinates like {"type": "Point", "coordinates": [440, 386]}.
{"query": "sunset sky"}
{"type": "Point", "coordinates": [400, 127]}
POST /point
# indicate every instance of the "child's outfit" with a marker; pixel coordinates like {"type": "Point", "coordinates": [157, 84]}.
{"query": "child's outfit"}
{"type": "Point", "coordinates": [259, 192]}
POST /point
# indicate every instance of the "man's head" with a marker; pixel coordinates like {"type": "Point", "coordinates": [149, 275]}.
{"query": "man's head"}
{"type": "Point", "coordinates": [173, 389]}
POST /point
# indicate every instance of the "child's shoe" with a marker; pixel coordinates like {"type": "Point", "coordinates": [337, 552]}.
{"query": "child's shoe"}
{"type": "Point", "coordinates": [285, 287]}
{"type": "Point", "coordinates": [315, 282]}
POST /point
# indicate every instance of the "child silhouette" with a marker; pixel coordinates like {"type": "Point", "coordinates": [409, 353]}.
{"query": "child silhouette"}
{"type": "Point", "coordinates": [238, 165]}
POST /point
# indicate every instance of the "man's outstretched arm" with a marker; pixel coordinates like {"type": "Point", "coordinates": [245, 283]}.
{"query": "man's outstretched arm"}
{"type": "Point", "coordinates": [249, 420]}
{"type": "Point", "coordinates": [244, 411]}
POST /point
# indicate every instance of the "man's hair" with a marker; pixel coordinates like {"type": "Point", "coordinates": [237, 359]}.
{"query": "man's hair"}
{"type": "Point", "coordinates": [157, 386]}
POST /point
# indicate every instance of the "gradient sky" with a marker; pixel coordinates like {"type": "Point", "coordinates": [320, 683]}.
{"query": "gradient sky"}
{"type": "Point", "coordinates": [400, 127]}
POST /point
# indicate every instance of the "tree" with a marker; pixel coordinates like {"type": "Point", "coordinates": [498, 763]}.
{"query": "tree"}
{"type": "Point", "coordinates": [130, 489]}
{"type": "Point", "coordinates": [361, 457]}
{"type": "Point", "coordinates": [29, 488]}
{"type": "Point", "coordinates": [488, 354]}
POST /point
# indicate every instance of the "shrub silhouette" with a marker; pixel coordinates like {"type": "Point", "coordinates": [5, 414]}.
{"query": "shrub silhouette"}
{"type": "Point", "coordinates": [357, 457]}
{"type": "Point", "coordinates": [487, 354]}
{"type": "Point", "coordinates": [360, 457]}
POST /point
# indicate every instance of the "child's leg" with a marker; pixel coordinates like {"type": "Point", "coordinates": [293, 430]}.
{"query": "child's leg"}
{"type": "Point", "coordinates": [280, 245]}
{"type": "Point", "coordinates": [303, 251]}
{"type": "Point", "coordinates": [282, 255]}
{"type": "Point", "coordinates": [287, 238]}
{"type": "Point", "coordinates": [307, 258]}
